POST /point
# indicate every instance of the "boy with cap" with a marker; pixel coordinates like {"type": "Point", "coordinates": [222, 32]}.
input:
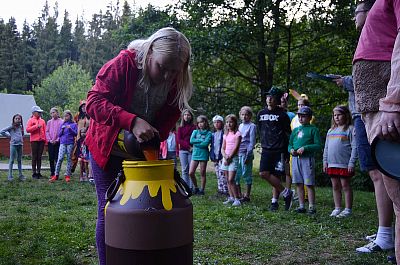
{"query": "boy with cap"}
{"type": "Point", "coordinates": [303, 143]}
{"type": "Point", "coordinates": [274, 128]}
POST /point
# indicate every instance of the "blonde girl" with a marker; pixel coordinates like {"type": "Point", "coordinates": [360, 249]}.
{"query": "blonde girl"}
{"type": "Point", "coordinates": [247, 130]}
{"type": "Point", "coordinates": [230, 148]}
{"type": "Point", "coordinates": [339, 159]}
{"type": "Point", "coordinates": [200, 139]}
{"type": "Point", "coordinates": [142, 90]}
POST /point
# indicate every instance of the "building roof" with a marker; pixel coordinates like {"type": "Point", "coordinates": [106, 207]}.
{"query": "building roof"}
{"type": "Point", "coordinates": [12, 104]}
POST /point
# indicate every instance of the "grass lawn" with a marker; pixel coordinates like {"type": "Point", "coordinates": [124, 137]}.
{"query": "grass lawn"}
{"type": "Point", "coordinates": [54, 224]}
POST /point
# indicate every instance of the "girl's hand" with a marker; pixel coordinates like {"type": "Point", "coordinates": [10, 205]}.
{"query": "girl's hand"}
{"type": "Point", "coordinates": [300, 151]}
{"type": "Point", "coordinates": [143, 131]}
{"type": "Point", "coordinates": [325, 167]}
{"type": "Point", "coordinates": [293, 152]}
{"type": "Point", "coordinates": [350, 169]}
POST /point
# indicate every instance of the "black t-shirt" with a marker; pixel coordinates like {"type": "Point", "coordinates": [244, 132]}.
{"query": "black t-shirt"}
{"type": "Point", "coordinates": [274, 129]}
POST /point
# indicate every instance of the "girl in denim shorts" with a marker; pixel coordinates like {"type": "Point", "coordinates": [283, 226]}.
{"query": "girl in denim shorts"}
{"type": "Point", "coordinates": [230, 148]}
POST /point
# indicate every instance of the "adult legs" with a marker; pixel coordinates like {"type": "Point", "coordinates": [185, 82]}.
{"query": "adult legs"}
{"type": "Point", "coordinates": [393, 189]}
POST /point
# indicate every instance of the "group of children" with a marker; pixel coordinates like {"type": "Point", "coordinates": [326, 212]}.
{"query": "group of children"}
{"type": "Point", "coordinates": [289, 143]}
{"type": "Point", "coordinates": [284, 137]}
{"type": "Point", "coordinates": [64, 137]}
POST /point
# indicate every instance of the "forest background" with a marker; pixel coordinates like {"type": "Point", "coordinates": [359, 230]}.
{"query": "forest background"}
{"type": "Point", "coordinates": [240, 49]}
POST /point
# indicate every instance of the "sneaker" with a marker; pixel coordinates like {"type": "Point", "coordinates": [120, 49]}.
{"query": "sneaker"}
{"type": "Point", "coordinates": [22, 178]}
{"type": "Point", "coordinates": [229, 200]}
{"type": "Point", "coordinates": [370, 238]}
{"type": "Point", "coordinates": [196, 191]}
{"type": "Point", "coordinates": [335, 212]}
{"type": "Point", "coordinates": [91, 181]}
{"type": "Point", "coordinates": [35, 176]}
{"type": "Point", "coordinates": [245, 199]}
{"type": "Point", "coordinates": [10, 178]}
{"type": "Point", "coordinates": [344, 214]}
{"type": "Point", "coordinates": [236, 202]}
{"type": "Point", "coordinates": [391, 259]}
{"type": "Point", "coordinates": [312, 211]}
{"type": "Point", "coordinates": [288, 200]}
{"type": "Point", "coordinates": [53, 178]}
{"type": "Point", "coordinates": [274, 207]}
{"type": "Point", "coordinates": [40, 175]}
{"type": "Point", "coordinates": [301, 210]}
{"type": "Point", "coordinates": [67, 178]}
{"type": "Point", "coordinates": [369, 248]}
{"type": "Point", "coordinates": [201, 192]}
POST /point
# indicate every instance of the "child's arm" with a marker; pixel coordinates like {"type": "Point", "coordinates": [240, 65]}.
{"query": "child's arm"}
{"type": "Point", "coordinates": [354, 156]}
{"type": "Point", "coordinates": [325, 155]}
{"type": "Point", "coordinates": [31, 127]}
{"type": "Point", "coordinates": [252, 142]}
{"type": "Point", "coordinates": [74, 129]}
{"type": "Point", "coordinates": [48, 132]}
{"type": "Point", "coordinates": [290, 146]}
{"type": "Point", "coordinates": [223, 148]}
{"type": "Point", "coordinates": [193, 139]}
{"type": "Point", "coordinates": [206, 142]}
{"type": "Point", "coordinates": [6, 131]}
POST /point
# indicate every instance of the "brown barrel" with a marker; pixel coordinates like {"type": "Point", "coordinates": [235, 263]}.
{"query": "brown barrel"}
{"type": "Point", "coordinates": [150, 220]}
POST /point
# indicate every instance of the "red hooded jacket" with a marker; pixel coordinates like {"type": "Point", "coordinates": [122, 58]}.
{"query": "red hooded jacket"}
{"type": "Point", "coordinates": [108, 103]}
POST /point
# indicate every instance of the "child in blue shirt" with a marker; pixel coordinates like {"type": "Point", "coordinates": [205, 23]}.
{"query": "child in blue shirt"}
{"type": "Point", "coordinates": [200, 139]}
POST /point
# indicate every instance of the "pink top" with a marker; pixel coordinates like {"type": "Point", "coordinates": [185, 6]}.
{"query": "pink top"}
{"type": "Point", "coordinates": [230, 141]}
{"type": "Point", "coordinates": [379, 32]}
{"type": "Point", "coordinates": [52, 130]}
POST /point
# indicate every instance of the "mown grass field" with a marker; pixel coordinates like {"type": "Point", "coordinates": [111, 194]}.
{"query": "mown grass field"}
{"type": "Point", "coordinates": [54, 224]}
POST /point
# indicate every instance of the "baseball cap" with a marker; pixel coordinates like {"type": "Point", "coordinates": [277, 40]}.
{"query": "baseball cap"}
{"type": "Point", "coordinates": [275, 92]}
{"type": "Point", "coordinates": [37, 109]}
{"type": "Point", "coordinates": [305, 110]}
{"type": "Point", "coordinates": [217, 118]}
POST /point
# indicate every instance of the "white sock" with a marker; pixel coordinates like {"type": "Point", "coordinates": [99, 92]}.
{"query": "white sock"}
{"type": "Point", "coordinates": [274, 200]}
{"type": "Point", "coordinates": [301, 205]}
{"type": "Point", "coordinates": [384, 237]}
{"type": "Point", "coordinates": [284, 193]}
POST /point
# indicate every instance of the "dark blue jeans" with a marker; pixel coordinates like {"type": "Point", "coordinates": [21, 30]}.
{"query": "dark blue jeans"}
{"type": "Point", "coordinates": [363, 147]}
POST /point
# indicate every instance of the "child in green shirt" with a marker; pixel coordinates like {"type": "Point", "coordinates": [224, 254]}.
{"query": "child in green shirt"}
{"type": "Point", "coordinates": [303, 143]}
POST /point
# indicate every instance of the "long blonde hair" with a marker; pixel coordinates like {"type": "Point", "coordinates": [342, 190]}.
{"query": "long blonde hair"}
{"type": "Point", "coordinates": [172, 43]}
